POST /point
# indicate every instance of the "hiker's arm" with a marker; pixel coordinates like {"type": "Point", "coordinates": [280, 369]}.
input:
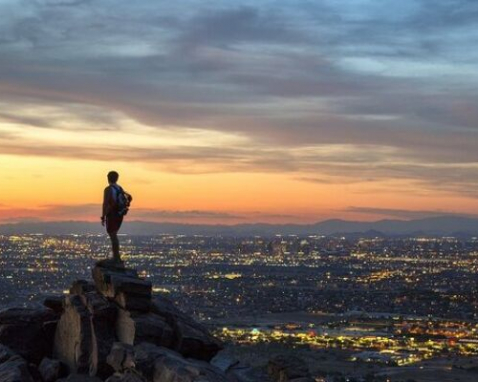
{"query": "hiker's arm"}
{"type": "Point", "coordinates": [106, 203]}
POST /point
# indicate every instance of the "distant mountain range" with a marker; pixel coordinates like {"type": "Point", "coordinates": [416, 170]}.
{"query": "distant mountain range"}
{"type": "Point", "coordinates": [434, 226]}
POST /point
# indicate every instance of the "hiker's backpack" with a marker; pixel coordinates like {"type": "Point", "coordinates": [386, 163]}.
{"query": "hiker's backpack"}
{"type": "Point", "coordinates": [123, 201]}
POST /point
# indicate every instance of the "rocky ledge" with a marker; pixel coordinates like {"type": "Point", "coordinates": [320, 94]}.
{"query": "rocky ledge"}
{"type": "Point", "coordinates": [113, 330]}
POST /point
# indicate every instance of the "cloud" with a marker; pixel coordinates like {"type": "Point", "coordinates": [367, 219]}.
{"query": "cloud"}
{"type": "Point", "coordinates": [228, 27]}
{"type": "Point", "coordinates": [64, 3]}
{"type": "Point", "coordinates": [91, 212]}
{"type": "Point", "coordinates": [50, 212]}
{"type": "Point", "coordinates": [192, 214]}
{"type": "Point", "coordinates": [22, 120]}
{"type": "Point", "coordinates": [335, 163]}
{"type": "Point", "coordinates": [346, 91]}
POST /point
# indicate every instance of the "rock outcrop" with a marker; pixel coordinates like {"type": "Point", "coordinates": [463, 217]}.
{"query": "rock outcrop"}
{"type": "Point", "coordinates": [79, 378]}
{"type": "Point", "coordinates": [121, 357]}
{"type": "Point", "coordinates": [51, 369]}
{"type": "Point", "coordinates": [190, 338]}
{"type": "Point", "coordinates": [136, 327]}
{"type": "Point", "coordinates": [158, 364]}
{"type": "Point", "coordinates": [13, 368]}
{"type": "Point", "coordinates": [114, 280]}
{"type": "Point", "coordinates": [28, 331]}
{"type": "Point", "coordinates": [110, 330]}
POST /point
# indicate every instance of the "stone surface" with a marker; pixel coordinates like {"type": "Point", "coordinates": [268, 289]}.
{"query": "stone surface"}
{"type": "Point", "coordinates": [55, 303]}
{"type": "Point", "coordinates": [121, 357]}
{"type": "Point", "coordinates": [82, 286]}
{"type": "Point", "coordinates": [79, 378]}
{"type": "Point", "coordinates": [242, 373]}
{"type": "Point", "coordinates": [5, 353]}
{"type": "Point", "coordinates": [25, 331]}
{"type": "Point", "coordinates": [112, 280]}
{"type": "Point", "coordinates": [164, 307]}
{"type": "Point", "coordinates": [74, 335]}
{"type": "Point", "coordinates": [101, 274]}
{"type": "Point", "coordinates": [15, 369]}
{"type": "Point", "coordinates": [86, 333]}
{"type": "Point", "coordinates": [224, 362]}
{"type": "Point", "coordinates": [158, 364]}
{"type": "Point", "coordinates": [103, 319]}
{"type": "Point", "coordinates": [130, 301]}
{"type": "Point", "coordinates": [194, 341]}
{"type": "Point", "coordinates": [284, 368]}
{"type": "Point", "coordinates": [133, 328]}
{"type": "Point", "coordinates": [50, 369]}
{"type": "Point", "coordinates": [191, 339]}
{"type": "Point", "coordinates": [129, 376]}
{"type": "Point", "coordinates": [237, 372]}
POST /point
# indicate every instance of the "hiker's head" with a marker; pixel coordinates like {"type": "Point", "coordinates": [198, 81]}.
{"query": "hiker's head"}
{"type": "Point", "coordinates": [113, 177]}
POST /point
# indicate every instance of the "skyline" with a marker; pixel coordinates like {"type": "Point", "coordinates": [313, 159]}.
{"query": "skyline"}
{"type": "Point", "coordinates": [282, 111]}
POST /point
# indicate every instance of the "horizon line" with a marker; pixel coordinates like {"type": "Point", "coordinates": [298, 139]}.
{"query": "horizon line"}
{"type": "Point", "coordinates": [39, 221]}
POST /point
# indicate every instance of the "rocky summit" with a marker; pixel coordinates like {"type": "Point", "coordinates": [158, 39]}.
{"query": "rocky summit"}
{"type": "Point", "coordinates": [111, 330]}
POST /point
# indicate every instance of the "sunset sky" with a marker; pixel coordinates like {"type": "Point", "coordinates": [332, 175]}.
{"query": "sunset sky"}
{"type": "Point", "coordinates": [239, 111]}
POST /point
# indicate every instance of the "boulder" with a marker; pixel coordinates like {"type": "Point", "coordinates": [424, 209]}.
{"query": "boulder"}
{"type": "Point", "coordinates": [128, 376]}
{"type": "Point", "coordinates": [224, 362]}
{"type": "Point", "coordinates": [5, 353]}
{"type": "Point", "coordinates": [236, 371]}
{"type": "Point", "coordinates": [133, 328]}
{"type": "Point", "coordinates": [85, 334]}
{"type": "Point", "coordinates": [145, 356]}
{"type": "Point", "coordinates": [55, 303]}
{"type": "Point", "coordinates": [244, 373]}
{"type": "Point", "coordinates": [51, 369]}
{"type": "Point", "coordinates": [191, 339]}
{"type": "Point", "coordinates": [103, 315]}
{"type": "Point", "coordinates": [157, 364]}
{"type": "Point", "coordinates": [195, 341]}
{"type": "Point", "coordinates": [165, 307]}
{"type": "Point", "coordinates": [27, 331]}
{"type": "Point", "coordinates": [285, 368]}
{"type": "Point", "coordinates": [79, 378]}
{"type": "Point", "coordinates": [15, 369]}
{"type": "Point", "coordinates": [74, 335]}
{"type": "Point", "coordinates": [112, 280]}
{"type": "Point", "coordinates": [121, 357]}
{"type": "Point", "coordinates": [131, 301]}
{"type": "Point", "coordinates": [82, 286]}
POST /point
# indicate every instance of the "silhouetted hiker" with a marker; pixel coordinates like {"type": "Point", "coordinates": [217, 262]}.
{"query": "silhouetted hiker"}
{"type": "Point", "coordinates": [115, 206]}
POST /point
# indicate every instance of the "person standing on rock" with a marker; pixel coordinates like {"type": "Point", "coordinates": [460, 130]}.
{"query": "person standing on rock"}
{"type": "Point", "coordinates": [116, 203]}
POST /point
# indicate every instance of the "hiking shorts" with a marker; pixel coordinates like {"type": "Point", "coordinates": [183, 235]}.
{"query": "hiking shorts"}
{"type": "Point", "coordinates": [113, 223]}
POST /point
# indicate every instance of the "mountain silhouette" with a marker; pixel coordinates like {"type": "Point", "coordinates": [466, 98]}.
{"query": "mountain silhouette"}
{"type": "Point", "coordinates": [436, 226]}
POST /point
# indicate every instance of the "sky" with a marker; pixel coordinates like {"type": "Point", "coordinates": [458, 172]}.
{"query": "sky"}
{"type": "Point", "coordinates": [239, 111]}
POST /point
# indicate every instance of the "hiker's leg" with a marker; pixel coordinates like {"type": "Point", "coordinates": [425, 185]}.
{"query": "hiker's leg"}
{"type": "Point", "coordinates": [116, 254]}
{"type": "Point", "coordinates": [115, 245]}
{"type": "Point", "coordinates": [113, 224]}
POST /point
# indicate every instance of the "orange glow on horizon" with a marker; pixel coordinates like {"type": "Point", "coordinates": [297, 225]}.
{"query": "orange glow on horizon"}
{"type": "Point", "coordinates": [50, 188]}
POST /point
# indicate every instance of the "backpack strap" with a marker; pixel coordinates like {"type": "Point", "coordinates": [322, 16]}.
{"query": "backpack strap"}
{"type": "Point", "coordinates": [118, 190]}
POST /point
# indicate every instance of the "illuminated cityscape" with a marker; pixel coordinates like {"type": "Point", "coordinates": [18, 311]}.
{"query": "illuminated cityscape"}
{"type": "Point", "coordinates": [391, 304]}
